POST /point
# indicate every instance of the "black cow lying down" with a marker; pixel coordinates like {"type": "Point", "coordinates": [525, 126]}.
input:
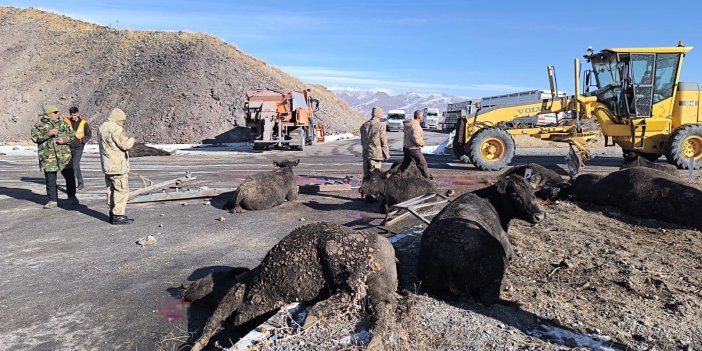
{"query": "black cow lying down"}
{"type": "Point", "coordinates": [264, 190]}
{"type": "Point", "coordinates": [395, 189]}
{"type": "Point", "coordinates": [411, 171]}
{"type": "Point", "coordinates": [632, 159]}
{"type": "Point", "coordinates": [642, 192]}
{"type": "Point", "coordinates": [547, 182]}
{"type": "Point", "coordinates": [465, 248]}
{"type": "Point", "coordinates": [141, 150]}
{"type": "Point", "coordinates": [318, 263]}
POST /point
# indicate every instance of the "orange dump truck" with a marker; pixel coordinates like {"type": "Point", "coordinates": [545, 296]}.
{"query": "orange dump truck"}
{"type": "Point", "coordinates": [282, 118]}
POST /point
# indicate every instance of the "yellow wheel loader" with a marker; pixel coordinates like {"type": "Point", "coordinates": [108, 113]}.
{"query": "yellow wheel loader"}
{"type": "Point", "coordinates": [633, 94]}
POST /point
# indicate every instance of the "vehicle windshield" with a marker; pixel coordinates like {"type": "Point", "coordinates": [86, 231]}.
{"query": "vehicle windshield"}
{"type": "Point", "coordinates": [396, 116]}
{"type": "Point", "coordinates": [605, 69]}
{"type": "Point", "coordinates": [432, 115]}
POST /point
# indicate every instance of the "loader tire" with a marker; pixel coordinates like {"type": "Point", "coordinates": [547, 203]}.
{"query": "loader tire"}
{"type": "Point", "coordinates": [459, 148]}
{"type": "Point", "coordinates": [685, 143]}
{"type": "Point", "coordinates": [491, 149]}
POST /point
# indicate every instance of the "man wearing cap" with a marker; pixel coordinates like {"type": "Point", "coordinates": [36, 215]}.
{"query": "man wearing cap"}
{"type": "Point", "coordinates": [114, 157]}
{"type": "Point", "coordinates": [374, 141]}
{"type": "Point", "coordinates": [82, 129]}
{"type": "Point", "coordinates": [53, 137]}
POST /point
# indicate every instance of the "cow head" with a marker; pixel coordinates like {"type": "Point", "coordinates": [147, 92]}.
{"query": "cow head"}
{"type": "Point", "coordinates": [374, 183]}
{"type": "Point", "coordinates": [517, 199]}
{"type": "Point", "coordinates": [286, 163]}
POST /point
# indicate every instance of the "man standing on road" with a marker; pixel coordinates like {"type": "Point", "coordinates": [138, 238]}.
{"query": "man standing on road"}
{"type": "Point", "coordinates": [114, 157]}
{"type": "Point", "coordinates": [412, 145]}
{"type": "Point", "coordinates": [374, 141]}
{"type": "Point", "coordinates": [52, 137]}
{"type": "Point", "coordinates": [82, 129]}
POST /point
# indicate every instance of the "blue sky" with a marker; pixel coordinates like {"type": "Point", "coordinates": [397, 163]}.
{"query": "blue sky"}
{"type": "Point", "coordinates": [467, 48]}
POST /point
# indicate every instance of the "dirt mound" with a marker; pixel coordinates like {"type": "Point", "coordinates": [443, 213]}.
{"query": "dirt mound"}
{"type": "Point", "coordinates": [176, 87]}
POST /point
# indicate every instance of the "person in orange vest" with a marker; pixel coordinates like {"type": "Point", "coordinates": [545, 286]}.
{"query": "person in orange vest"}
{"type": "Point", "coordinates": [83, 134]}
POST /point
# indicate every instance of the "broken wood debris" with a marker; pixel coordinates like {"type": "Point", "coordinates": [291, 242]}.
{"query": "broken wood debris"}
{"type": "Point", "coordinates": [417, 207]}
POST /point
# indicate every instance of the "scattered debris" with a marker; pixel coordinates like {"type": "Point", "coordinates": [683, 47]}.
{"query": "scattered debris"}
{"type": "Point", "coordinates": [221, 219]}
{"type": "Point", "coordinates": [302, 219]}
{"type": "Point", "coordinates": [160, 225]}
{"type": "Point", "coordinates": [206, 202]}
{"type": "Point", "coordinates": [147, 240]}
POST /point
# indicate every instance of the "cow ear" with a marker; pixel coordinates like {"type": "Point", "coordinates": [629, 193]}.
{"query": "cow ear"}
{"type": "Point", "coordinates": [296, 162]}
{"type": "Point", "coordinates": [501, 185]}
{"type": "Point", "coordinates": [276, 163]}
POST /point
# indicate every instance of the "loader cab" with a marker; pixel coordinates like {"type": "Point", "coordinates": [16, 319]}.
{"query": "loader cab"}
{"type": "Point", "coordinates": [630, 82]}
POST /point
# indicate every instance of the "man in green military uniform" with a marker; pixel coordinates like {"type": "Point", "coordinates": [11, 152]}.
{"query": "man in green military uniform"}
{"type": "Point", "coordinates": [53, 137]}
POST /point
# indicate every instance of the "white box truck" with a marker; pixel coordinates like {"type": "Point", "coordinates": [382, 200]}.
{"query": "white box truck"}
{"type": "Point", "coordinates": [395, 120]}
{"type": "Point", "coordinates": [431, 118]}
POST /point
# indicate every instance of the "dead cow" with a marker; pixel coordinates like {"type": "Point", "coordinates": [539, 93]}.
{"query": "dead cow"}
{"type": "Point", "coordinates": [141, 150]}
{"type": "Point", "coordinates": [395, 189]}
{"type": "Point", "coordinates": [316, 262]}
{"type": "Point", "coordinates": [547, 182]}
{"type": "Point", "coordinates": [465, 249]}
{"type": "Point", "coordinates": [266, 189]}
{"type": "Point", "coordinates": [411, 171]}
{"type": "Point", "coordinates": [632, 159]}
{"type": "Point", "coordinates": [642, 192]}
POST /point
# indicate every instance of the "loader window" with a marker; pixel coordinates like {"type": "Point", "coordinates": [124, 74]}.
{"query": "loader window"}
{"type": "Point", "coordinates": [605, 69]}
{"type": "Point", "coordinates": [666, 71]}
{"type": "Point", "coordinates": [298, 101]}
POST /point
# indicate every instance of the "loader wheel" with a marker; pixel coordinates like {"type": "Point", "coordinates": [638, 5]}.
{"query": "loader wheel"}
{"type": "Point", "coordinates": [685, 143]}
{"type": "Point", "coordinates": [491, 149]}
{"type": "Point", "coordinates": [459, 148]}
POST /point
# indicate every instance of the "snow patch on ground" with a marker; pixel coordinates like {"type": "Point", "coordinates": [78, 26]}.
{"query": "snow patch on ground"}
{"type": "Point", "coordinates": [179, 149]}
{"type": "Point", "coordinates": [572, 339]}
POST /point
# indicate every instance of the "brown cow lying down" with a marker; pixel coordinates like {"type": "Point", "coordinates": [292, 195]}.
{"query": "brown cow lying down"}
{"type": "Point", "coordinates": [465, 249]}
{"type": "Point", "coordinates": [547, 182]}
{"type": "Point", "coordinates": [318, 263]}
{"type": "Point", "coordinates": [632, 159]}
{"type": "Point", "coordinates": [642, 192]}
{"type": "Point", "coordinates": [141, 150]}
{"type": "Point", "coordinates": [395, 189]}
{"type": "Point", "coordinates": [264, 190]}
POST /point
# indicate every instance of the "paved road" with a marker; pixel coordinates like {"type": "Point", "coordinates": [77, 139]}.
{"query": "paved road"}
{"type": "Point", "coordinates": [72, 281]}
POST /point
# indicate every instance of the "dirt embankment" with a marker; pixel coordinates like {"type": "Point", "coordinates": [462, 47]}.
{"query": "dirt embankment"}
{"type": "Point", "coordinates": [176, 87]}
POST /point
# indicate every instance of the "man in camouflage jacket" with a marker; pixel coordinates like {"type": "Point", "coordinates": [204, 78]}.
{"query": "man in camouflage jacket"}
{"type": "Point", "coordinates": [374, 141]}
{"type": "Point", "coordinates": [53, 138]}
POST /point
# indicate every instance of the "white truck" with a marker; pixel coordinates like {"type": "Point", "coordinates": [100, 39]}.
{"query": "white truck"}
{"type": "Point", "coordinates": [395, 120]}
{"type": "Point", "coordinates": [431, 118]}
{"type": "Point", "coordinates": [467, 108]}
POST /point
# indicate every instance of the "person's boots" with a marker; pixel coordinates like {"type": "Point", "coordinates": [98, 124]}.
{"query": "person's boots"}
{"type": "Point", "coordinates": [122, 220]}
{"type": "Point", "coordinates": [80, 186]}
{"type": "Point", "coordinates": [51, 204]}
{"type": "Point", "coordinates": [73, 200]}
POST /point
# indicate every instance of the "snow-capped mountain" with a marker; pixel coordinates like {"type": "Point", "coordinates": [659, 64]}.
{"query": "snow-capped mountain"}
{"type": "Point", "coordinates": [364, 100]}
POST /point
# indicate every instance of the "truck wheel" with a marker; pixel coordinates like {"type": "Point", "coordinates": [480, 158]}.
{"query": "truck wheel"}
{"type": "Point", "coordinates": [685, 143]}
{"type": "Point", "coordinates": [459, 148]}
{"type": "Point", "coordinates": [313, 133]}
{"type": "Point", "coordinates": [491, 149]}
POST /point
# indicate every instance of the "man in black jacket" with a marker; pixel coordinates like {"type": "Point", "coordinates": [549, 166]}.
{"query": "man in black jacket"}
{"type": "Point", "coordinates": [83, 134]}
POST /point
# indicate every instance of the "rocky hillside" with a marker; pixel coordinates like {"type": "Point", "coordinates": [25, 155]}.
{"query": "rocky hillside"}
{"type": "Point", "coordinates": [176, 87]}
{"type": "Point", "coordinates": [363, 101]}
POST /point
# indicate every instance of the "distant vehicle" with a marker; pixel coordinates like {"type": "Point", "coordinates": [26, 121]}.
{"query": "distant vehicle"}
{"type": "Point", "coordinates": [431, 118]}
{"type": "Point", "coordinates": [455, 111]}
{"type": "Point", "coordinates": [279, 118]}
{"type": "Point", "coordinates": [395, 120]}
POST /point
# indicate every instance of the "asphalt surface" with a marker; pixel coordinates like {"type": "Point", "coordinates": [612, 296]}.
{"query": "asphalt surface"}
{"type": "Point", "coordinates": [72, 281]}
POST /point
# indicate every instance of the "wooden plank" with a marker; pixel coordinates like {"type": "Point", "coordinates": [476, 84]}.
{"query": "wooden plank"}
{"type": "Point", "coordinates": [180, 195]}
{"type": "Point", "coordinates": [159, 186]}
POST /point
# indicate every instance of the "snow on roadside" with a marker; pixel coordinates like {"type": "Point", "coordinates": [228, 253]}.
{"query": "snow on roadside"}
{"type": "Point", "coordinates": [28, 150]}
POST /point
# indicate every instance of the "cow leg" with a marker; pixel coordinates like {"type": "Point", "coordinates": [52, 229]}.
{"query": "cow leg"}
{"type": "Point", "coordinates": [230, 303]}
{"type": "Point", "coordinates": [326, 308]}
{"type": "Point", "coordinates": [292, 193]}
